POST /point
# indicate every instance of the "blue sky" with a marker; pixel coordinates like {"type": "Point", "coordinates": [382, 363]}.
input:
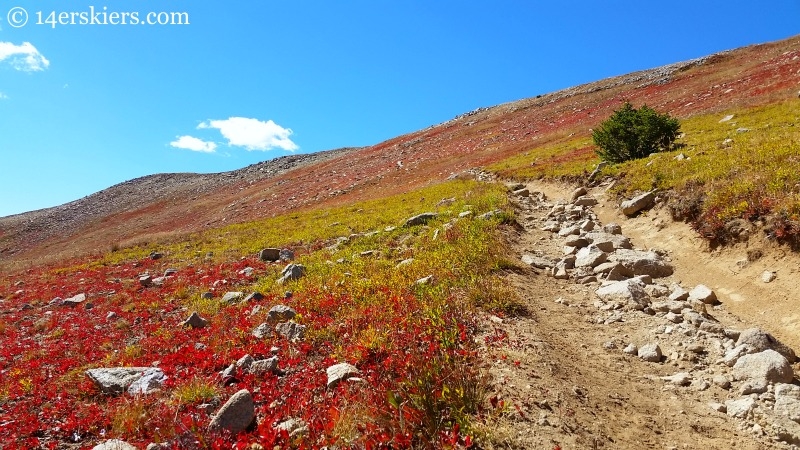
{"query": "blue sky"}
{"type": "Point", "coordinates": [86, 106]}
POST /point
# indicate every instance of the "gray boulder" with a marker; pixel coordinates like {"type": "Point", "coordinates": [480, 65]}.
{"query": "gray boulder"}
{"type": "Point", "coordinates": [585, 201]}
{"type": "Point", "coordinates": [150, 381]}
{"type": "Point", "coordinates": [74, 301]}
{"type": "Point", "coordinates": [263, 331]}
{"type": "Point", "coordinates": [618, 241]}
{"type": "Point", "coordinates": [741, 408]}
{"type": "Point", "coordinates": [538, 262]}
{"type": "Point", "coordinates": [590, 256]}
{"type": "Point", "coordinates": [757, 340]}
{"type": "Point", "coordinates": [704, 294]}
{"type": "Point", "coordinates": [639, 203]}
{"type": "Point", "coordinates": [420, 219]}
{"type": "Point", "coordinates": [787, 401]}
{"type": "Point", "coordinates": [650, 352]}
{"type": "Point", "coordinates": [768, 365]}
{"type": "Point", "coordinates": [195, 321]}
{"type": "Point", "coordinates": [623, 291]}
{"type": "Point", "coordinates": [292, 272]}
{"type": "Point", "coordinates": [232, 297]}
{"type": "Point", "coordinates": [114, 444]}
{"type": "Point", "coordinates": [264, 366]}
{"type": "Point", "coordinates": [339, 372]}
{"type": "Point", "coordinates": [643, 263]}
{"type": "Point", "coordinates": [269, 254]}
{"type": "Point", "coordinates": [236, 414]}
{"type": "Point", "coordinates": [115, 380]}
{"type": "Point", "coordinates": [280, 313]}
{"type": "Point", "coordinates": [291, 330]}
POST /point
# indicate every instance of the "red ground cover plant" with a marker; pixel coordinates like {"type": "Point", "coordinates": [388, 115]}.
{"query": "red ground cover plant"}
{"type": "Point", "coordinates": [405, 397]}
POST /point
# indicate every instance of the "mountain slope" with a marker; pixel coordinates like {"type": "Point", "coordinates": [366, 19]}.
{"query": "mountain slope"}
{"type": "Point", "coordinates": [160, 205]}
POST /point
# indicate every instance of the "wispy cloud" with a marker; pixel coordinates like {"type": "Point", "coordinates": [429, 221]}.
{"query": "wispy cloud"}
{"type": "Point", "coordinates": [252, 134]}
{"type": "Point", "coordinates": [23, 57]}
{"type": "Point", "coordinates": [3, 96]}
{"type": "Point", "coordinates": [194, 144]}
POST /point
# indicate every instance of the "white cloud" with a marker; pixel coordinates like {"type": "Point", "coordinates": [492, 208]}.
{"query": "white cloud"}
{"type": "Point", "coordinates": [194, 144]}
{"type": "Point", "coordinates": [3, 96]}
{"type": "Point", "coordinates": [252, 134]}
{"type": "Point", "coordinates": [23, 57]}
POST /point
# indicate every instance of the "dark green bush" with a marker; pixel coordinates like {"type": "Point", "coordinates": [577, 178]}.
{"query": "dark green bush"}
{"type": "Point", "coordinates": [632, 133]}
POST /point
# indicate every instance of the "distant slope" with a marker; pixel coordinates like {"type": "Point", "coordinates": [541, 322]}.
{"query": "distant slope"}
{"type": "Point", "coordinates": [176, 203]}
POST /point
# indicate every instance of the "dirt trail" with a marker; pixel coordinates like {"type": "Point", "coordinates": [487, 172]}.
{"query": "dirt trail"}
{"type": "Point", "coordinates": [563, 377]}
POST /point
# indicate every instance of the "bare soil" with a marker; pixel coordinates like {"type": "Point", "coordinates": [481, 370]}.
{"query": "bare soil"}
{"type": "Point", "coordinates": [561, 380]}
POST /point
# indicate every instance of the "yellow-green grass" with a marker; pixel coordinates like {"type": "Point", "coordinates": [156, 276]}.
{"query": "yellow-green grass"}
{"type": "Point", "coordinates": [755, 173]}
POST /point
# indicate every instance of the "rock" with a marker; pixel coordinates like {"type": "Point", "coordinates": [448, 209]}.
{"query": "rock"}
{"type": "Point", "coordinates": [74, 301]}
{"type": "Point", "coordinates": [636, 204]}
{"type": "Point", "coordinates": [650, 352]}
{"type": "Point", "coordinates": [294, 427]}
{"type": "Point", "coordinates": [115, 380]}
{"type": "Point", "coordinates": [424, 281]}
{"type": "Point", "coordinates": [656, 291]}
{"type": "Point", "coordinates": [577, 193]}
{"type": "Point", "coordinates": [740, 408]}
{"type": "Point", "coordinates": [408, 262]}
{"type": "Point", "coordinates": [643, 263]}
{"type": "Point", "coordinates": [538, 262]}
{"type": "Point", "coordinates": [269, 254]}
{"type": "Point", "coordinates": [711, 327]}
{"type": "Point", "coordinates": [631, 349]}
{"type": "Point", "coordinates": [787, 401]}
{"type": "Point", "coordinates": [236, 414]}
{"type": "Point", "coordinates": [281, 313]}
{"type": "Point", "coordinates": [195, 321]}
{"type": "Point", "coordinates": [114, 444]}
{"type": "Point", "coordinates": [232, 297]}
{"type": "Point", "coordinates": [753, 387]}
{"type": "Point", "coordinates": [704, 294]}
{"type": "Point", "coordinates": [339, 372]}
{"type": "Point", "coordinates": [420, 219]}
{"type": "Point", "coordinates": [286, 255]}
{"type": "Point", "coordinates": [490, 214]}
{"type": "Point", "coordinates": [693, 317]}
{"type": "Point", "coordinates": [718, 407]}
{"type": "Point", "coordinates": [291, 330]}
{"type": "Point", "coordinates": [757, 340]}
{"type": "Point", "coordinates": [585, 201]}
{"type": "Point", "coordinates": [679, 379]}
{"type": "Point", "coordinates": [597, 170]}
{"type": "Point", "coordinates": [768, 365]}
{"type": "Point", "coordinates": [721, 381]}
{"type": "Point", "coordinates": [292, 272]}
{"type": "Point", "coordinates": [254, 297]}
{"type": "Point", "coordinates": [733, 355]}
{"type": "Point", "coordinates": [156, 255]}
{"type": "Point", "coordinates": [587, 225]}
{"type": "Point", "coordinates": [244, 362]}
{"type": "Point", "coordinates": [263, 331]}
{"type": "Point", "coordinates": [617, 241]}
{"type": "Point", "coordinates": [623, 291]}
{"type": "Point", "coordinates": [612, 228]}
{"type": "Point", "coordinates": [576, 241]}
{"type": "Point", "coordinates": [247, 271]}
{"type": "Point", "coordinates": [726, 118]}
{"type": "Point", "coordinates": [590, 256]}
{"type": "Point", "coordinates": [567, 231]}
{"type": "Point", "coordinates": [150, 381]}
{"type": "Point", "coordinates": [228, 372]}
{"type": "Point", "coordinates": [619, 273]}
{"type": "Point", "coordinates": [768, 276]}
{"type": "Point", "coordinates": [523, 192]}
{"type": "Point", "coordinates": [146, 280]}
{"type": "Point", "coordinates": [678, 294]}
{"type": "Point", "coordinates": [674, 318]}
{"type": "Point", "coordinates": [264, 366]}
{"type": "Point", "coordinates": [206, 295]}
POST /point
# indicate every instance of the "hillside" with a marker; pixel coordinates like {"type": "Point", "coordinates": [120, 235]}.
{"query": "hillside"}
{"type": "Point", "coordinates": [462, 286]}
{"type": "Point", "coordinates": [741, 78]}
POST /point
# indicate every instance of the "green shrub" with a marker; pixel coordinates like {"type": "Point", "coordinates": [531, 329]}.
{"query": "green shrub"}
{"type": "Point", "coordinates": [632, 133]}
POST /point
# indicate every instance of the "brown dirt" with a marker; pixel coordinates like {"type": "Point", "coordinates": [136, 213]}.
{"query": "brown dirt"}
{"type": "Point", "coordinates": [563, 388]}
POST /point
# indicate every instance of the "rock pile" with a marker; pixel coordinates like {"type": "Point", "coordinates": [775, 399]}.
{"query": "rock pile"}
{"type": "Point", "coordinates": [750, 368]}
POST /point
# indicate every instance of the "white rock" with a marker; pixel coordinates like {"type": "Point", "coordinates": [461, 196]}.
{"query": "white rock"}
{"type": "Point", "coordinates": [703, 294]}
{"type": "Point", "coordinates": [650, 352]}
{"type": "Point", "coordinates": [768, 365]}
{"type": "Point", "coordinates": [679, 379]}
{"type": "Point", "coordinates": [740, 408]}
{"type": "Point", "coordinates": [768, 276]}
